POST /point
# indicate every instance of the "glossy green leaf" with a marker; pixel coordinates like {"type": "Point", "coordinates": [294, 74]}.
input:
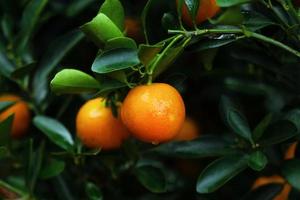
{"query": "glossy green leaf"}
{"type": "Point", "coordinates": [192, 6]}
{"type": "Point", "coordinates": [5, 104]}
{"type": "Point", "coordinates": [22, 71]}
{"type": "Point", "coordinates": [55, 131]}
{"type": "Point", "coordinates": [93, 192]}
{"type": "Point", "coordinates": [148, 52]}
{"type": "Point", "coordinates": [205, 146]}
{"type": "Point", "coordinates": [5, 129]}
{"type": "Point", "coordinates": [53, 168]}
{"type": "Point", "coordinates": [278, 132]}
{"type": "Point", "coordinates": [265, 192]}
{"type": "Point", "coordinates": [262, 126]}
{"type": "Point", "coordinates": [114, 10]}
{"type": "Point", "coordinates": [294, 117]}
{"type": "Point", "coordinates": [55, 53]}
{"type": "Point", "coordinates": [73, 81]}
{"type": "Point", "coordinates": [291, 171]}
{"type": "Point", "coordinates": [257, 161]}
{"type": "Point", "coordinates": [120, 42]}
{"type": "Point", "coordinates": [114, 60]}
{"type": "Point", "coordinates": [101, 29]}
{"type": "Point", "coordinates": [235, 119]}
{"type": "Point", "coordinates": [219, 172]}
{"type": "Point", "coordinates": [30, 18]}
{"type": "Point", "coordinates": [151, 177]}
{"type": "Point", "coordinates": [229, 3]}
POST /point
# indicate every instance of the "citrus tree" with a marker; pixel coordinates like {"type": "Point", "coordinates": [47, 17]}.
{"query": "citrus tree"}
{"type": "Point", "coordinates": [152, 99]}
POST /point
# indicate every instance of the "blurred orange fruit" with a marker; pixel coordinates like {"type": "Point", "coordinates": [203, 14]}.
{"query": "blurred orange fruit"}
{"type": "Point", "coordinates": [98, 128]}
{"type": "Point", "coordinates": [189, 131]}
{"type": "Point", "coordinates": [290, 153]}
{"type": "Point", "coordinates": [21, 113]}
{"type": "Point", "coordinates": [264, 180]}
{"type": "Point", "coordinates": [153, 113]}
{"type": "Point", "coordinates": [133, 29]}
{"type": "Point", "coordinates": [207, 9]}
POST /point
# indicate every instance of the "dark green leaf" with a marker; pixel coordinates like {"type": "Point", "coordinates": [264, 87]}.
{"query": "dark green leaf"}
{"type": "Point", "coordinates": [6, 67]}
{"type": "Point", "coordinates": [151, 177]}
{"type": "Point", "coordinates": [265, 192]}
{"type": "Point", "coordinates": [120, 42]}
{"type": "Point", "coordinates": [21, 72]}
{"type": "Point", "coordinates": [262, 126]}
{"type": "Point", "coordinates": [192, 6]}
{"type": "Point", "coordinates": [108, 84]}
{"type": "Point", "coordinates": [148, 52]}
{"type": "Point", "coordinates": [101, 29]}
{"type": "Point", "coordinates": [169, 21]}
{"type": "Point", "coordinates": [73, 81]}
{"type": "Point", "coordinates": [211, 43]}
{"type": "Point", "coordinates": [52, 169]}
{"type": "Point", "coordinates": [278, 132]}
{"type": "Point", "coordinates": [205, 146]}
{"type": "Point", "coordinates": [144, 17]}
{"type": "Point", "coordinates": [30, 18]}
{"type": "Point", "coordinates": [5, 104]}
{"type": "Point", "coordinates": [113, 9]}
{"type": "Point", "coordinates": [77, 6]}
{"type": "Point", "coordinates": [219, 172]}
{"type": "Point", "coordinates": [3, 152]}
{"type": "Point", "coordinates": [229, 3]}
{"type": "Point", "coordinates": [5, 129]}
{"type": "Point", "coordinates": [116, 59]}
{"type": "Point", "coordinates": [235, 119]}
{"type": "Point", "coordinates": [255, 21]}
{"type": "Point", "coordinates": [55, 53]}
{"type": "Point", "coordinates": [291, 171]}
{"type": "Point", "coordinates": [55, 131]}
{"type": "Point", "coordinates": [294, 117]}
{"type": "Point", "coordinates": [257, 161]}
{"type": "Point", "coordinates": [231, 16]}
{"type": "Point", "coordinates": [93, 192]}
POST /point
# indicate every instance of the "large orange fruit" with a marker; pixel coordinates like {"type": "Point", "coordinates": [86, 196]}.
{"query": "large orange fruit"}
{"type": "Point", "coordinates": [207, 9]}
{"type": "Point", "coordinates": [98, 128]}
{"type": "Point", "coordinates": [153, 113]}
{"type": "Point", "coordinates": [189, 131]}
{"type": "Point", "coordinates": [290, 153]}
{"type": "Point", "coordinates": [264, 180]}
{"type": "Point", "coordinates": [21, 113]}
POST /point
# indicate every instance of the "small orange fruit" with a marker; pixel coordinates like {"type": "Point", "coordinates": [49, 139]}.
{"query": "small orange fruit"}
{"type": "Point", "coordinates": [264, 180]}
{"type": "Point", "coordinates": [133, 28]}
{"type": "Point", "coordinates": [290, 153]}
{"type": "Point", "coordinates": [189, 131]}
{"type": "Point", "coordinates": [153, 113]}
{"type": "Point", "coordinates": [98, 128]}
{"type": "Point", "coordinates": [207, 9]}
{"type": "Point", "coordinates": [21, 113]}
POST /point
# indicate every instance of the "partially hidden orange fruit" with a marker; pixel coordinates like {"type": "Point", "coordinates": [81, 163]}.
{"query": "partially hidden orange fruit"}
{"type": "Point", "coordinates": [153, 113]}
{"type": "Point", "coordinates": [133, 28]}
{"type": "Point", "coordinates": [207, 9]}
{"type": "Point", "coordinates": [98, 128]}
{"type": "Point", "coordinates": [189, 131]}
{"type": "Point", "coordinates": [264, 180]}
{"type": "Point", "coordinates": [21, 113]}
{"type": "Point", "coordinates": [290, 153]}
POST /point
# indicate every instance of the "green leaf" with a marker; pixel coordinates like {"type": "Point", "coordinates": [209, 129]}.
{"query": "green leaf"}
{"type": "Point", "coordinates": [291, 171]}
{"type": "Point", "coordinates": [294, 117]}
{"type": "Point", "coordinates": [169, 21]}
{"type": "Point", "coordinates": [5, 129]}
{"type": "Point", "coordinates": [255, 21]}
{"type": "Point", "coordinates": [73, 82]}
{"type": "Point", "coordinates": [148, 52]}
{"type": "Point", "coordinates": [211, 43]}
{"type": "Point", "coordinates": [219, 172]}
{"type": "Point", "coordinates": [108, 85]}
{"type": "Point", "coordinates": [53, 168]}
{"type": "Point", "coordinates": [22, 71]}
{"type": "Point", "coordinates": [278, 132]}
{"type": "Point", "coordinates": [3, 152]}
{"type": "Point", "coordinates": [231, 16]}
{"type": "Point", "coordinates": [265, 192]}
{"type": "Point", "coordinates": [55, 53]}
{"type": "Point", "coordinates": [235, 119]}
{"type": "Point", "coordinates": [6, 104]}
{"type": "Point", "coordinates": [55, 131]}
{"type": "Point", "coordinates": [77, 6]}
{"type": "Point", "coordinates": [192, 6]}
{"type": "Point", "coordinates": [205, 146]}
{"type": "Point", "coordinates": [144, 17]}
{"type": "Point", "coordinates": [229, 3]}
{"type": "Point", "coordinates": [257, 161]}
{"type": "Point", "coordinates": [93, 192]}
{"type": "Point", "coordinates": [114, 60]}
{"type": "Point", "coordinates": [262, 126]}
{"type": "Point", "coordinates": [6, 67]}
{"type": "Point", "coordinates": [120, 42]}
{"type": "Point", "coordinates": [152, 178]}
{"type": "Point", "coordinates": [114, 10]}
{"type": "Point", "coordinates": [101, 29]}
{"type": "Point", "coordinates": [30, 17]}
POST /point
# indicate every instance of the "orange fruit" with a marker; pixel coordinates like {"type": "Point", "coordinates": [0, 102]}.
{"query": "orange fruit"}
{"type": "Point", "coordinates": [264, 180]}
{"type": "Point", "coordinates": [207, 9]}
{"type": "Point", "coordinates": [98, 128]}
{"type": "Point", "coordinates": [153, 113]}
{"type": "Point", "coordinates": [290, 153]}
{"type": "Point", "coordinates": [189, 131]}
{"type": "Point", "coordinates": [133, 28]}
{"type": "Point", "coordinates": [21, 113]}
